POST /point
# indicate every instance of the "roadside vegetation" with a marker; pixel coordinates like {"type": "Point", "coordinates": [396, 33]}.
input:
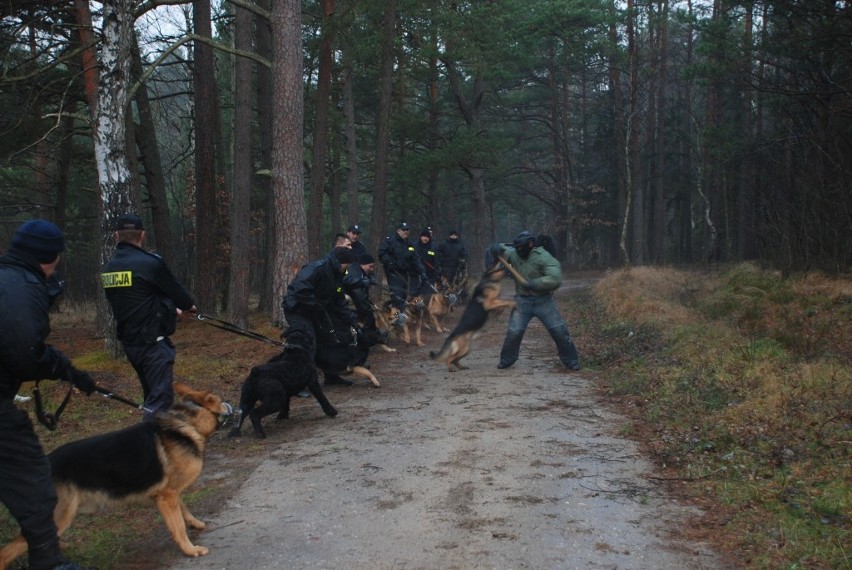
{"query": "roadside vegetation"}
{"type": "Point", "coordinates": [739, 384]}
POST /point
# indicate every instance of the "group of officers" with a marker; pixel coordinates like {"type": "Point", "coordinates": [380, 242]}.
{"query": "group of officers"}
{"type": "Point", "coordinates": [330, 294]}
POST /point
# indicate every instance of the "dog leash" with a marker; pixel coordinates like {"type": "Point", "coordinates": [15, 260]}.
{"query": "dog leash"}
{"type": "Point", "coordinates": [231, 327]}
{"type": "Point", "coordinates": [51, 420]}
{"type": "Point", "coordinates": [47, 419]}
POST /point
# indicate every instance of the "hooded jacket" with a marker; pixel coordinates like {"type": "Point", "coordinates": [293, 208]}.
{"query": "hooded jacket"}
{"type": "Point", "coordinates": [317, 293]}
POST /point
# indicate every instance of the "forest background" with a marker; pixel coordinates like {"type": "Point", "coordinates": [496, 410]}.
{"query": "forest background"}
{"type": "Point", "coordinates": [248, 133]}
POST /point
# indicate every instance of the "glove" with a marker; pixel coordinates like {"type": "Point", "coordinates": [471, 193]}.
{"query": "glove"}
{"type": "Point", "coordinates": [81, 380]}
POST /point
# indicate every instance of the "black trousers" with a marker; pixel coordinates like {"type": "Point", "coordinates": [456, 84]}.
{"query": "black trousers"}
{"type": "Point", "coordinates": [26, 487]}
{"type": "Point", "coordinates": [154, 365]}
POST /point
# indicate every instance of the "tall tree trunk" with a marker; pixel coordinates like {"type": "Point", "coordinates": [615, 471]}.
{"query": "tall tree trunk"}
{"type": "Point", "coordinates": [265, 118]}
{"type": "Point", "coordinates": [379, 215]}
{"type": "Point", "coordinates": [620, 133]}
{"type": "Point", "coordinates": [352, 206]}
{"type": "Point", "coordinates": [204, 81]}
{"type": "Point", "coordinates": [746, 214]}
{"type": "Point", "coordinates": [290, 245]}
{"type": "Point", "coordinates": [146, 140]}
{"type": "Point", "coordinates": [636, 219]}
{"type": "Point", "coordinates": [240, 286]}
{"type": "Point", "coordinates": [114, 177]}
{"type": "Point", "coordinates": [659, 205]}
{"type": "Point", "coordinates": [471, 111]}
{"type": "Point", "coordinates": [320, 143]}
{"type": "Point", "coordinates": [89, 55]}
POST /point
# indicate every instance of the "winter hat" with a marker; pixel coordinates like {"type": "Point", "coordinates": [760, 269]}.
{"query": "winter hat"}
{"type": "Point", "coordinates": [403, 226]}
{"type": "Point", "coordinates": [355, 229]}
{"type": "Point", "coordinates": [39, 238]}
{"type": "Point", "coordinates": [343, 255]}
{"type": "Point", "coordinates": [426, 232]}
{"type": "Point", "coordinates": [366, 258]}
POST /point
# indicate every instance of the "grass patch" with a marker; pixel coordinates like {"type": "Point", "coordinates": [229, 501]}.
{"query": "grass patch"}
{"type": "Point", "coordinates": [740, 382]}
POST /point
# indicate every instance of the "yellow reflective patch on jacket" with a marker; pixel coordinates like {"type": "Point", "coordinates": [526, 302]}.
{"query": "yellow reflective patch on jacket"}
{"type": "Point", "coordinates": [117, 279]}
{"type": "Point", "coordinates": [340, 289]}
{"type": "Point", "coordinates": [430, 252]}
{"type": "Point", "coordinates": [410, 248]}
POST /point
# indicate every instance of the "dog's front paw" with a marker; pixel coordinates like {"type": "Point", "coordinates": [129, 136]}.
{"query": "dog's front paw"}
{"type": "Point", "coordinates": [196, 551]}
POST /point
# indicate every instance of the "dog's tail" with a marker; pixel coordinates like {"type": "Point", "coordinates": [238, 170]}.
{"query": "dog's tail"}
{"type": "Point", "coordinates": [444, 349]}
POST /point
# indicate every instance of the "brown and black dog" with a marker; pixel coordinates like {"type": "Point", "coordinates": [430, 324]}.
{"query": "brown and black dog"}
{"type": "Point", "coordinates": [155, 460]}
{"type": "Point", "coordinates": [485, 299]}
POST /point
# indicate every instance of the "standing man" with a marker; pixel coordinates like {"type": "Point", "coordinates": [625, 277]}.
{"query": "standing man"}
{"type": "Point", "coordinates": [534, 298]}
{"type": "Point", "coordinates": [146, 300]}
{"type": "Point", "coordinates": [358, 247]}
{"type": "Point", "coordinates": [452, 257]}
{"type": "Point", "coordinates": [403, 268]}
{"type": "Point", "coordinates": [28, 288]}
{"type": "Point", "coordinates": [429, 258]}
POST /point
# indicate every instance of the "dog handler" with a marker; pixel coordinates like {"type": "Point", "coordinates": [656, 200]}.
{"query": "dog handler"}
{"type": "Point", "coordinates": [28, 288]}
{"type": "Point", "coordinates": [145, 298]}
{"type": "Point", "coordinates": [535, 299]}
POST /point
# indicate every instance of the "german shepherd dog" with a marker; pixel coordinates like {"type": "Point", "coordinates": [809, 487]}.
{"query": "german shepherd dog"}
{"type": "Point", "coordinates": [155, 460]}
{"type": "Point", "coordinates": [485, 299]}
{"type": "Point", "coordinates": [285, 375]}
{"type": "Point", "coordinates": [417, 312]}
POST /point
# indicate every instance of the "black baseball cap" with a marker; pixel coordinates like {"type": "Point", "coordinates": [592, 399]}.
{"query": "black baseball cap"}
{"type": "Point", "coordinates": [129, 222]}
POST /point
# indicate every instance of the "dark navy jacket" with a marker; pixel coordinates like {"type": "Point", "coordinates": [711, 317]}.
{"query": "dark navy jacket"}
{"type": "Point", "coordinates": [143, 294]}
{"type": "Point", "coordinates": [25, 299]}
{"type": "Point", "coordinates": [317, 293]}
{"type": "Point", "coordinates": [397, 255]}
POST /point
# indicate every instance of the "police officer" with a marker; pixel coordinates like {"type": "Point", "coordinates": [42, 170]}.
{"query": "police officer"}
{"type": "Point", "coordinates": [429, 258]}
{"type": "Point", "coordinates": [358, 247]}
{"type": "Point", "coordinates": [315, 298]}
{"type": "Point", "coordinates": [146, 300]}
{"type": "Point", "coordinates": [403, 269]}
{"type": "Point", "coordinates": [452, 257]}
{"type": "Point", "coordinates": [29, 286]}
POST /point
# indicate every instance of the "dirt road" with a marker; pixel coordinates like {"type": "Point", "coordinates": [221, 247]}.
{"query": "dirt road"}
{"type": "Point", "coordinates": [484, 468]}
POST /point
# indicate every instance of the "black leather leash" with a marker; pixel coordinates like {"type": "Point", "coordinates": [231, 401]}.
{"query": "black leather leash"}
{"type": "Point", "coordinates": [231, 327]}
{"type": "Point", "coordinates": [51, 420]}
{"type": "Point", "coordinates": [47, 419]}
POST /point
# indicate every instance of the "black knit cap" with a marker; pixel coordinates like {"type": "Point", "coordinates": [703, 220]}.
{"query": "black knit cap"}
{"type": "Point", "coordinates": [343, 255]}
{"type": "Point", "coordinates": [129, 222]}
{"type": "Point", "coordinates": [39, 238]}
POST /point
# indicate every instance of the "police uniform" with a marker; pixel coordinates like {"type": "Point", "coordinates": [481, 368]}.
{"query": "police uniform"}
{"type": "Point", "coordinates": [429, 259]}
{"type": "Point", "coordinates": [402, 266]}
{"type": "Point", "coordinates": [144, 294]}
{"type": "Point", "coordinates": [26, 486]}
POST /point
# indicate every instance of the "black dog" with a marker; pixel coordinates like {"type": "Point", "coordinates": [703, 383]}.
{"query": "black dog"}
{"type": "Point", "coordinates": [344, 350]}
{"type": "Point", "coordinates": [284, 376]}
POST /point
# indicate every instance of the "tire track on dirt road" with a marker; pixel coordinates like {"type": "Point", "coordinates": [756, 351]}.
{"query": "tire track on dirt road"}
{"type": "Point", "coordinates": [483, 468]}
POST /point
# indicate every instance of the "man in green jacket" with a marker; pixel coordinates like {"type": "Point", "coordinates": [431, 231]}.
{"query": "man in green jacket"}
{"type": "Point", "coordinates": [534, 298]}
